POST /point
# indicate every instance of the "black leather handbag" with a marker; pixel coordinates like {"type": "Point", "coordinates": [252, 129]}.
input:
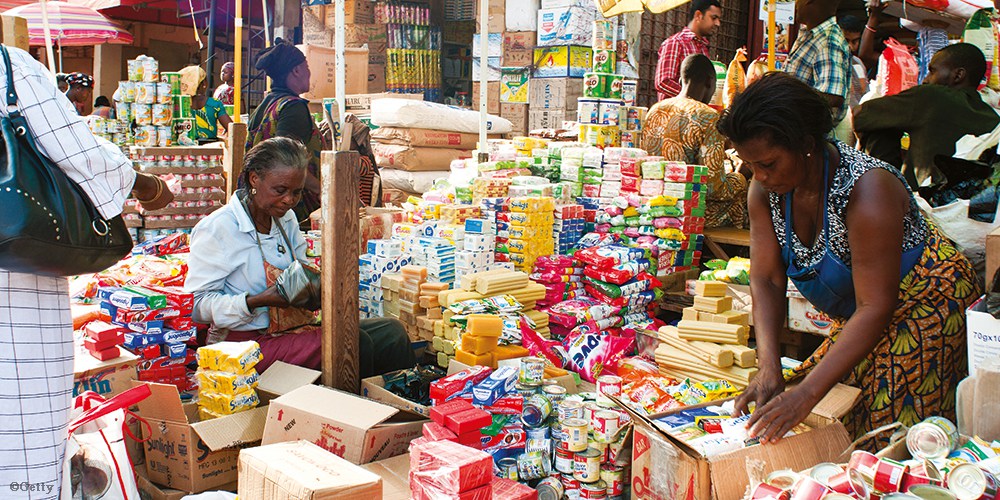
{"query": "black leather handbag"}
{"type": "Point", "coordinates": [48, 224]}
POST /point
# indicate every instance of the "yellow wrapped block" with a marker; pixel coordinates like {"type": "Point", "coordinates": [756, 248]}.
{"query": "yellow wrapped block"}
{"type": "Point", "coordinates": [710, 289]}
{"type": "Point", "coordinates": [510, 352]}
{"type": "Point", "coordinates": [439, 329]}
{"type": "Point", "coordinates": [443, 359]}
{"type": "Point", "coordinates": [235, 357]}
{"type": "Point", "coordinates": [228, 404]}
{"type": "Point", "coordinates": [478, 345]}
{"type": "Point", "coordinates": [226, 382]}
{"type": "Point", "coordinates": [206, 414]}
{"type": "Point", "coordinates": [470, 359]}
{"type": "Point", "coordinates": [448, 347]}
{"type": "Point", "coordinates": [452, 333]}
{"type": "Point", "coordinates": [485, 325]}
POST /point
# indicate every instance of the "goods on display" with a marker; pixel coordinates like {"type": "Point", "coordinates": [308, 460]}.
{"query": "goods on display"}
{"type": "Point", "coordinates": [152, 102]}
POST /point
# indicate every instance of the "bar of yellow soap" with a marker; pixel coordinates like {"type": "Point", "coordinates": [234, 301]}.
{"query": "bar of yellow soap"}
{"type": "Point", "coordinates": [432, 288]}
{"type": "Point", "coordinates": [553, 372]}
{"type": "Point", "coordinates": [710, 288]}
{"type": "Point", "coordinates": [690, 314]}
{"type": "Point", "coordinates": [510, 352]}
{"type": "Point", "coordinates": [478, 345]}
{"type": "Point", "coordinates": [470, 359]}
{"type": "Point", "coordinates": [485, 325]}
{"type": "Point", "coordinates": [448, 347]}
{"type": "Point", "coordinates": [425, 323]}
{"type": "Point", "coordinates": [443, 359]}
{"type": "Point", "coordinates": [434, 313]}
{"type": "Point", "coordinates": [452, 333]}
{"type": "Point", "coordinates": [713, 305]}
{"type": "Point", "coordinates": [414, 273]}
{"type": "Point", "coordinates": [436, 344]}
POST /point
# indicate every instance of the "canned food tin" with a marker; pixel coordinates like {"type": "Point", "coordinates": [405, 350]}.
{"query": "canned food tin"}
{"type": "Point", "coordinates": [605, 426]}
{"type": "Point", "coordinates": [912, 478]}
{"type": "Point", "coordinates": [531, 466]}
{"type": "Point", "coordinates": [532, 371]}
{"type": "Point", "coordinates": [587, 110]}
{"type": "Point", "coordinates": [610, 385]}
{"type": "Point", "coordinates": [163, 115]}
{"type": "Point", "coordinates": [143, 114]}
{"type": "Point", "coordinates": [630, 139]}
{"type": "Point", "coordinates": [163, 93]}
{"type": "Point", "coordinates": [164, 137]}
{"type": "Point", "coordinates": [765, 491]}
{"type": "Point", "coordinates": [601, 448]}
{"type": "Point", "coordinates": [550, 488]}
{"type": "Point", "coordinates": [889, 476]}
{"type": "Point", "coordinates": [590, 409]}
{"type": "Point", "coordinates": [134, 70]}
{"type": "Point", "coordinates": [603, 35]}
{"type": "Point", "coordinates": [98, 125]}
{"type": "Point", "coordinates": [824, 471]}
{"type": "Point", "coordinates": [596, 490]}
{"type": "Point", "coordinates": [542, 432]}
{"type": "Point", "coordinates": [150, 70]}
{"type": "Point", "coordinates": [174, 79]}
{"type": "Point", "coordinates": [145, 93]}
{"type": "Point", "coordinates": [935, 437]}
{"type": "Point", "coordinates": [969, 482]}
{"type": "Point", "coordinates": [183, 127]}
{"type": "Point", "coordinates": [571, 487]}
{"type": "Point", "coordinates": [635, 116]}
{"type": "Point", "coordinates": [123, 110]}
{"type": "Point", "coordinates": [182, 106]}
{"type": "Point", "coordinates": [564, 461]}
{"type": "Point", "coordinates": [630, 90]}
{"type": "Point", "coordinates": [570, 409]}
{"type": "Point", "coordinates": [126, 91]}
{"type": "Point", "coordinates": [838, 496]}
{"type": "Point", "coordinates": [526, 391]}
{"type": "Point", "coordinates": [587, 466]}
{"type": "Point", "coordinates": [899, 496]}
{"type": "Point", "coordinates": [863, 462]}
{"type": "Point", "coordinates": [508, 468]}
{"type": "Point", "coordinates": [597, 85]}
{"type": "Point", "coordinates": [536, 409]}
{"type": "Point", "coordinates": [810, 489]}
{"type": "Point", "coordinates": [614, 477]}
{"type": "Point", "coordinates": [848, 484]}
{"type": "Point", "coordinates": [931, 492]}
{"type": "Point", "coordinates": [555, 393]}
{"type": "Point", "coordinates": [615, 86]}
{"type": "Point", "coordinates": [783, 479]}
{"type": "Point", "coordinates": [604, 61]}
{"type": "Point", "coordinates": [575, 434]}
{"type": "Point", "coordinates": [145, 136]}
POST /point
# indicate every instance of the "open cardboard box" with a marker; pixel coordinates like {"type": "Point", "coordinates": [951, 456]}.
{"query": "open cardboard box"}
{"type": "Point", "coordinates": [395, 474]}
{"type": "Point", "coordinates": [188, 454]}
{"type": "Point", "coordinates": [352, 427]}
{"type": "Point", "coordinates": [666, 467]}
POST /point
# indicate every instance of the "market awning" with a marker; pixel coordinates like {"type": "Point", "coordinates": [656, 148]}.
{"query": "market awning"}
{"type": "Point", "coordinates": [70, 25]}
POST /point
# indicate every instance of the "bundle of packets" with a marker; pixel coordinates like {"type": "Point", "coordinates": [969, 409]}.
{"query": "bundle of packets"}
{"type": "Point", "coordinates": [443, 469]}
{"type": "Point", "coordinates": [384, 256]}
{"type": "Point", "coordinates": [529, 230]}
{"type": "Point", "coordinates": [562, 276]}
{"type": "Point", "coordinates": [569, 226]}
{"type": "Point", "coordinates": [155, 324]}
{"type": "Point", "coordinates": [619, 276]}
{"type": "Point", "coordinates": [227, 379]}
{"type": "Point", "coordinates": [713, 430]}
{"type": "Point", "coordinates": [478, 249]}
{"type": "Point", "coordinates": [164, 244]}
{"type": "Point", "coordinates": [658, 224]}
{"type": "Point", "coordinates": [736, 270]}
{"type": "Point", "coordinates": [610, 185]}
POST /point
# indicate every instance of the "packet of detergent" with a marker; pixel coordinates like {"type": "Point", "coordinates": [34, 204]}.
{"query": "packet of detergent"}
{"type": "Point", "coordinates": [228, 404]}
{"type": "Point", "coordinates": [226, 382]}
{"type": "Point", "coordinates": [236, 357]}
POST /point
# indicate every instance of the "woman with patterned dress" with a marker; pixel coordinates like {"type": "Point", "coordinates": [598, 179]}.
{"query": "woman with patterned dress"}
{"type": "Point", "coordinates": [845, 229]}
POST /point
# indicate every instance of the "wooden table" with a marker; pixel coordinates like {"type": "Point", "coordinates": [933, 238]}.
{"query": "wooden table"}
{"type": "Point", "coordinates": [716, 236]}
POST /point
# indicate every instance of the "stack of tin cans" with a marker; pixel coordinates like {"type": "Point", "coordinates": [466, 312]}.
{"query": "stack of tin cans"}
{"type": "Point", "coordinates": [607, 113]}
{"type": "Point", "coordinates": [150, 110]}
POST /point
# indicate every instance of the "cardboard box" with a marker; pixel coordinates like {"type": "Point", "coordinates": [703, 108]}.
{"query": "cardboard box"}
{"type": "Point", "coordinates": [374, 389]}
{"type": "Point", "coordinates": [665, 467]}
{"type": "Point", "coordinates": [493, 70]}
{"type": "Point", "coordinates": [518, 115]}
{"type": "Point", "coordinates": [395, 474]}
{"type": "Point", "coordinates": [562, 62]}
{"type": "Point", "coordinates": [372, 36]}
{"type": "Point", "coordinates": [497, 21]}
{"type": "Point", "coordinates": [518, 49]}
{"type": "Point", "coordinates": [983, 335]}
{"type": "Point", "coordinates": [323, 66]}
{"type": "Point", "coordinates": [185, 453]}
{"type": "Point", "coordinates": [803, 317]}
{"type": "Point", "coordinates": [556, 4]}
{"type": "Point", "coordinates": [492, 97]}
{"type": "Point", "coordinates": [321, 38]}
{"type": "Point", "coordinates": [376, 78]}
{"type": "Point", "coordinates": [355, 12]}
{"type": "Point", "coordinates": [301, 470]}
{"type": "Point", "coordinates": [282, 378]}
{"type": "Point", "coordinates": [514, 85]}
{"type": "Point", "coordinates": [558, 94]}
{"type": "Point", "coordinates": [357, 429]}
{"type": "Point", "coordinates": [150, 491]}
{"type": "Point", "coordinates": [992, 254]}
{"type": "Point", "coordinates": [107, 378]}
{"type": "Point", "coordinates": [547, 119]}
{"type": "Point", "coordinates": [495, 47]}
{"type": "Point", "coordinates": [572, 25]}
{"type": "Point", "coordinates": [521, 15]}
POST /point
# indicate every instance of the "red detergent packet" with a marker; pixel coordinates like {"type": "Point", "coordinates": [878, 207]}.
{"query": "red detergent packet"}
{"type": "Point", "coordinates": [607, 256]}
{"type": "Point", "coordinates": [448, 387]}
{"type": "Point", "coordinates": [467, 421]}
{"type": "Point", "coordinates": [619, 273]}
{"type": "Point", "coordinates": [448, 467]}
{"type": "Point", "coordinates": [590, 354]}
{"type": "Point", "coordinates": [550, 350]}
{"type": "Point", "coordinates": [574, 312]}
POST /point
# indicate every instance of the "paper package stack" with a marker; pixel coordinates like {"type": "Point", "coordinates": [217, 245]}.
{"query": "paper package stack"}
{"type": "Point", "coordinates": [529, 230]}
{"type": "Point", "coordinates": [619, 276]}
{"type": "Point", "coordinates": [412, 159]}
{"type": "Point", "coordinates": [155, 324]}
{"type": "Point", "coordinates": [409, 298]}
{"type": "Point", "coordinates": [384, 257]}
{"type": "Point", "coordinates": [710, 342]}
{"type": "Point", "coordinates": [443, 469]}
{"type": "Point", "coordinates": [478, 247]}
{"type": "Point", "coordinates": [562, 277]}
{"type": "Point", "coordinates": [227, 379]}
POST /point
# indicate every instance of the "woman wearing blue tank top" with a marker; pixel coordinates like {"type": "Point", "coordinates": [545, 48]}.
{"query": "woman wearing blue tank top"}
{"type": "Point", "coordinates": [845, 229]}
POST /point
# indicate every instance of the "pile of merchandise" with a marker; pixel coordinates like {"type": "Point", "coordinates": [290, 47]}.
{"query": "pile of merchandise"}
{"type": "Point", "coordinates": [227, 378]}
{"type": "Point", "coordinates": [413, 56]}
{"type": "Point", "coordinates": [153, 101]}
{"type": "Point", "coordinates": [607, 113]}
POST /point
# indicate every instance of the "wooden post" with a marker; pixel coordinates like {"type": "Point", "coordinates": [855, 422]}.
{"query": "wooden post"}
{"type": "Point", "coordinates": [15, 32]}
{"type": "Point", "coordinates": [339, 209]}
{"type": "Point", "coordinates": [107, 68]}
{"type": "Point", "coordinates": [232, 161]}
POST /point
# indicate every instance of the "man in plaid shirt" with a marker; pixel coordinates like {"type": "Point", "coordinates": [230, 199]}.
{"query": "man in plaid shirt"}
{"type": "Point", "coordinates": [821, 57]}
{"type": "Point", "coordinates": [705, 18]}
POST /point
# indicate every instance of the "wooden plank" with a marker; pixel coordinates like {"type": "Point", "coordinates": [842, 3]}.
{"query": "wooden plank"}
{"type": "Point", "coordinates": [339, 175]}
{"type": "Point", "coordinates": [729, 236]}
{"type": "Point", "coordinates": [232, 160]}
{"type": "Point", "coordinates": [715, 249]}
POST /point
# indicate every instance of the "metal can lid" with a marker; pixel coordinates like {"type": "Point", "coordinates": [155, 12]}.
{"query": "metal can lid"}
{"type": "Point", "coordinates": [926, 440]}
{"type": "Point", "coordinates": [596, 485]}
{"type": "Point", "coordinates": [575, 422]}
{"type": "Point", "coordinates": [931, 492]}
{"type": "Point", "coordinates": [824, 471]}
{"type": "Point", "coordinates": [783, 479]}
{"type": "Point", "coordinates": [967, 481]}
{"type": "Point", "coordinates": [588, 454]}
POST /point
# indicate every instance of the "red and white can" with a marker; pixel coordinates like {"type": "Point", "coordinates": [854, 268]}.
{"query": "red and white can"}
{"type": "Point", "coordinates": [911, 479]}
{"type": "Point", "coordinates": [864, 462]}
{"type": "Point", "coordinates": [889, 476]}
{"type": "Point", "coordinates": [571, 487]}
{"type": "Point", "coordinates": [810, 489]}
{"type": "Point", "coordinates": [610, 385]}
{"type": "Point", "coordinates": [783, 479]}
{"type": "Point", "coordinates": [824, 471]}
{"type": "Point", "coordinates": [765, 491]}
{"type": "Point", "coordinates": [969, 482]}
{"type": "Point", "coordinates": [605, 425]}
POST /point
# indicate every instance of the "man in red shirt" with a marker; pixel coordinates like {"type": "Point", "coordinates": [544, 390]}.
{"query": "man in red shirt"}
{"type": "Point", "coordinates": [705, 18]}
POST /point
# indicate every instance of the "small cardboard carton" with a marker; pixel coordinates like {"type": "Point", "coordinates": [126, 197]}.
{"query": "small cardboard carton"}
{"type": "Point", "coordinates": [107, 378]}
{"type": "Point", "coordinates": [187, 454]}
{"type": "Point", "coordinates": [804, 317]}
{"type": "Point", "coordinates": [323, 70]}
{"type": "Point", "coordinates": [300, 470]}
{"type": "Point", "coordinates": [983, 335]}
{"type": "Point", "coordinates": [374, 389]}
{"type": "Point", "coordinates": [349, 426]}
{"type": "Point", "coordinates": [395, 474]}
{"type": "Point", "coordinates": [665, 467]}
{"type": "Point", "coordinates": [492, 97]}
{"type": "Point", "coordinates": [563, 61]}
{"type": "Point", "coordinates": [554, 94]}
{"type": "Point", "coordinates": [150, 491]}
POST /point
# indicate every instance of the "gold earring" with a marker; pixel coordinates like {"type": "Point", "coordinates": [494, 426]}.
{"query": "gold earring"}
{"type": "Point", "coordinates": [253, 191]}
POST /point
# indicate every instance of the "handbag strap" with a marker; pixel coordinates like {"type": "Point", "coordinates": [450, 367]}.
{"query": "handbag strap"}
{"type": "Point", "coordinates": [11, 93]}
{"type": "Point", "coordinates": [122, 401]}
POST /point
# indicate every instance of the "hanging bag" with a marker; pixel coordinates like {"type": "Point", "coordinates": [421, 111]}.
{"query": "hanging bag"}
{"type": "Point", "coordinates": [97, 465]}
{"type": "Point", "coordinates": [48, 224]}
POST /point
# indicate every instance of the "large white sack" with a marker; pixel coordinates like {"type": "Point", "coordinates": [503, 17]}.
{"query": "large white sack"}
{"type": "Point", "coordinates": [411, 182]}
{"type": "Point", "coordinates": [423, 114]}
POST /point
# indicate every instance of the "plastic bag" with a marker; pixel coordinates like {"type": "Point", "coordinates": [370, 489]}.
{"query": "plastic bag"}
{"type": "Point", "coordinates": [735, 78]}
{"type": "Point", "coordinates": [980, 31]}
{"type": "Point", "coordinates": [590, 354]}
{"type": "Point", "coordinates": [97, 464]}
{"type": "Point", "coordinates": [897, 68]}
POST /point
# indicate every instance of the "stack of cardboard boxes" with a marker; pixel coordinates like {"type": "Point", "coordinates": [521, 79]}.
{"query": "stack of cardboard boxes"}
{"type": "Point", "coordinates": [318, 29]}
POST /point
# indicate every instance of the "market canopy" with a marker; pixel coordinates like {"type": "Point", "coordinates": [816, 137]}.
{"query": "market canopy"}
{"type": "Point", "coordinates": [611, 8]}
{"type": "Point", "coordinates": [70, 25]}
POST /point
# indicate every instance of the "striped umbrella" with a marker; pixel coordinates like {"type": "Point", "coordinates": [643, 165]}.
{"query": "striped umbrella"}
{"type": "Point", "coordinates": [71, 25]}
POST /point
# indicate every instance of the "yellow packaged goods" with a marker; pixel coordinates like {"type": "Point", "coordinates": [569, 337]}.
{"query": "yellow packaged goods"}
{"type": "Point", "coordinates": [501, 282]}
{"type": "Point", "coordinates": [469, 359]}
{"type": "Point", "coordinates": [510, 352]}
{"type": "Point", "coordinates": [690, 314]}
{"type": "Point", "coordinates": [228, 404]}
{"type": "Point", "coordinates": [478, 345]}
{"type": "Point", "coordinates": [713, 305]}
{"type": "Point", "coordinates": [743, 356]}
{"type": "Point", "coordinates": [485, 325]}
{"type": "Point", "coordinates": [721, 333]}
{"type": "Point", "coordinates": [206, 414]}
{"type": "Point", "coordinates": [236, 357]}
{"type": "Point", "coordinates": [226, 382]}
{"type": "Point", "coordinates": [710, 289]}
